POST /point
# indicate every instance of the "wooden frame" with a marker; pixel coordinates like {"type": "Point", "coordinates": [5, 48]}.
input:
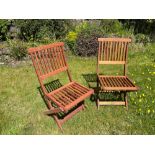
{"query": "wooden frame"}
{"type": "Point", "coordinates": [113, 51]}
{"type": "Point", "coordinates": [49, 60]}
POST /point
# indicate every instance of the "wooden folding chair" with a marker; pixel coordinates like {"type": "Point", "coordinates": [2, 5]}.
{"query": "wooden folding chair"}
{"type": "Point", "coordinates": [49, 60]}
{"type": "Point", "coordinates": [113, 51]}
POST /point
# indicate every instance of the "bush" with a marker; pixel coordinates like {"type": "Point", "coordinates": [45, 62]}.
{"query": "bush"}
{"type": "Point", "coordinates": [80, 41]}
{"type": "Point", "coordinates": [18, 49]}
{"type": "Point", "coordinates": [142, 38]}
{"type": "Point", "coordinates": [4, 28]}
{"type": "Point", "coordinates": [87, 43]}
{"type": "Point", "coordinates": [71, 40]}
{"type": "Point", "coordinates": [37, 29]}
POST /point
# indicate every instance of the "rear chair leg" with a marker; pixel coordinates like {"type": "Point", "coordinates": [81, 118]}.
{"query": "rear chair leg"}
{"type": "Point", "coordinates": [83, 106]}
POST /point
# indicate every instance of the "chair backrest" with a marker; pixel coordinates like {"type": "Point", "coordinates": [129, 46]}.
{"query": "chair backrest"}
{"type": "Point", "coordinates": [48, 60]}
{"type": "Point", "coordinates": [113, 51]}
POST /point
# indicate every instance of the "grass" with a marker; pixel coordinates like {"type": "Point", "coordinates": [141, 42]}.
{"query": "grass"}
{"type": "Point", "coordinates": [21, 105]}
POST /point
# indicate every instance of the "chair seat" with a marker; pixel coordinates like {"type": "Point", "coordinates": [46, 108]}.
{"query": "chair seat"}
{"type": "Point", "coordinates": [70, 95]}
{"type": "Point", "coordinates": [119, 83]}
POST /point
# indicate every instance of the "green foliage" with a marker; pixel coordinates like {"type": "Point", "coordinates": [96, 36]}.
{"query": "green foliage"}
{"type": "Point", "coordinates": [39, 29]}
{"type": "Point", "coordinates": [87, 44]}
{"type": "Point", "coordinates": [18, 49]}
{"type": "Point", "coordinates": [71, 40]}
{"type": "Point", "coordinates": [142, 38]}
{"type": "Point", "coordinates": [80, 41]}
{"type": "Point", "coordinates": [4, 28]}
{"type": "Point", "coordinates": [71, 37]}
{"type": "Point", "coordinates": [146, 26]}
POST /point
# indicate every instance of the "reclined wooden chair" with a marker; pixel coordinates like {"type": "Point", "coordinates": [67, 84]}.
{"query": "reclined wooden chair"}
{"type": "Point", "coordinates": [49, 60]}
{"type": "Point", "coordinates": [113, 51]}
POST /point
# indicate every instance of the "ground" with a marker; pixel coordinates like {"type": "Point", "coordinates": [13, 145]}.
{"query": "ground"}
{"type": "Point", "coordinates": [21, 105]}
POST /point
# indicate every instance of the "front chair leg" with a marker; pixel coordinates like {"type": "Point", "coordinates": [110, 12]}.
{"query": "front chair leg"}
{"type": "Point", "coordinates": [97, 94]}
{"type": "Point", "coordinates": [126, 100]}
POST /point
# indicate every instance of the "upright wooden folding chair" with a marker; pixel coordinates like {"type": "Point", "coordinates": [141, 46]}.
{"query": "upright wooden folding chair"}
{"type": "Point", "coordinates": [49, 60]}
{"type": "Point", "coordinates": [113, 51]}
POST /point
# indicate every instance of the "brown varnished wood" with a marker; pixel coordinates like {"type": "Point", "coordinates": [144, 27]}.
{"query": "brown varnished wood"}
{"type": "Point", "coordinates": [113, 51]}
{"type": "Point", "coordinates": [49, 60]}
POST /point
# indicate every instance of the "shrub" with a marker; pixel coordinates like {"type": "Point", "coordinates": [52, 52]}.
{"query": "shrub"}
{"type": "Point", "coordinates": [87, 44]}
{"type": "Point", "coordinates": [71, 40]}
{"type": "Point", "coordinates": [4, 28]}
{"type": "Point", "coordinates": [36, 29]}
{"type": "Point", "coordinates": [142, 38]}
{"type": "Point", "coordinates": [18, 49]}
{"type": "Point", "coordinates": [80, 41]}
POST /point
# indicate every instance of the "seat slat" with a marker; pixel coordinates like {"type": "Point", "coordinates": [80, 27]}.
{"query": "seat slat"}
{"type": "Point", "coordinates": [75, 90]}
{"type": "Point", "coordinates": [61, 99]}
{"type": "Point", "coordinates": [118, 82]}
{"type": "Point", "coordinates": [82, 91]}
{"type": "Point", "coordinates": [72, 93]}
{"type": "Point", "coordinates": [130, 82]}
{"type": "Point", "coordinates": [69, 94]}
{"type": "Point", "coordinates": [81, 86]}
{"type": "Point", "coordinates": [113, 82]}
{"type": "Point", "coordinates": [65, 96]}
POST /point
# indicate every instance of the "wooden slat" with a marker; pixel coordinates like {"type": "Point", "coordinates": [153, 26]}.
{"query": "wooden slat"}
{"type": "Point", "coordinates": [53, 73]}
{"type": "Point", "coordinates": [34, 49]}
{"type": "Point", "coordinates": [111, 103]}
{"type": "Point", "coordinates": [75, 90]}
{"type": "Point", "coordinates": [43, 62]}
{"type": "Point", "coordinates": [99, 51]}
{"type": "Point", "coordinates": [50, 59]}
{"type": "Point", "coordinates": [79, 89]}
{"type": "Point", "coordinates": [40, 62]}
{"type": "Point", "coordinates": [70, 94]}
{"type": "Point", "coordinates": [115, 39]}
{"type": "Point", "coordinates": [116, 83]}
{"type": "Point", "coordinates": [79, 100]}
{"type": "Point", "coordinates": [81, 86]}
{"type": "Point", "coordinates": [36, 64]}
{"type": "Point", "coordinates": [104, 51]}
{"type": "Point", "coordinates": [112, 62]}
{"type": "Point", "coordinates": [66, 92]}
{"type": "Point", "coordinates": [65, 86]}
{"type": "Point", "coordinates": [65, 96]}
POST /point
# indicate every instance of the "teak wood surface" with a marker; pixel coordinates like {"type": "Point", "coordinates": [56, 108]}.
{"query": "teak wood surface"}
{"type": "Point", "coordinates": [114, 51]}
{"type": "Point", "coordinates": [49, 60]}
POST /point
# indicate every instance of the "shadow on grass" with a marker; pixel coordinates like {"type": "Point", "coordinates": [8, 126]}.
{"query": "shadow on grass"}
{"type": "Point", "coordinates": [51, 86]}
{"type": "Point", "coordinates": [91, 80]}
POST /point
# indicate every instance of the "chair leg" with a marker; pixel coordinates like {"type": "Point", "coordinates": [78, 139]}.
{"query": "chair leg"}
{"type": "Point", "coordinates": [58, 122]}
{"type": "Point", "coordinates": [126, 100]}
{"type": "Point", "coordinates": [98, 105]}
{"type": "Point", "coordinates": [97, 96]}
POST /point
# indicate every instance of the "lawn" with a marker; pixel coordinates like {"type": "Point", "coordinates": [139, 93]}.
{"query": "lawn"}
{"type": "Point", "coordinates": [21, 105]}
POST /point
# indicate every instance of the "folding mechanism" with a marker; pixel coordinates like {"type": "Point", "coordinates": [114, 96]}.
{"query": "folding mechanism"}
{"type": "Point", "coordinates": [49, 60]}
{"type": "Point", "coordinates": [113, 51]}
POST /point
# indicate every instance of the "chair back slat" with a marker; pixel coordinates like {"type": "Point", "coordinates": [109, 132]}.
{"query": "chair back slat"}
{"type": "Point", "coordinates": [48, 59]}
{"type": "Point", "coordinates": [113, 50]}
